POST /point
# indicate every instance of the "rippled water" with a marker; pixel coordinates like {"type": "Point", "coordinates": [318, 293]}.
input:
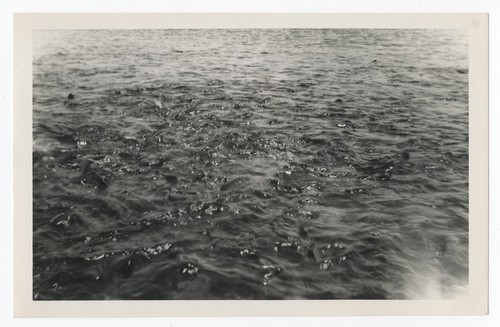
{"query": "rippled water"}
{"type": "Point", "coordinates": [250, 164]}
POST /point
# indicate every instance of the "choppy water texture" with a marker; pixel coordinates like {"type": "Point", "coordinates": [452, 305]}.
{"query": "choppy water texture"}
{"type": "Point", "coordinates": [250, 164]}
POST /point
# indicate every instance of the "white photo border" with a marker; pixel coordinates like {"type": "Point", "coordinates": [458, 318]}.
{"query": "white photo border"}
{"type": "Point", "coordinates": [475, 303]}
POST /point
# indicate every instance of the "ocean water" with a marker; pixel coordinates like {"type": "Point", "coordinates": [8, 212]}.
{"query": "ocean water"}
{"type": "Point", "coordinates": [250, 164]}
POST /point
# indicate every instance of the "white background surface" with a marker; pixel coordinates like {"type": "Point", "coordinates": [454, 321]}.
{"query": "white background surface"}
{"type": "Point", "coordinates": [7, 7]}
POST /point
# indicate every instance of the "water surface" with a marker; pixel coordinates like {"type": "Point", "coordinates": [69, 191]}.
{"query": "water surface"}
{"type": "Point", "coordinates": [250, 164]}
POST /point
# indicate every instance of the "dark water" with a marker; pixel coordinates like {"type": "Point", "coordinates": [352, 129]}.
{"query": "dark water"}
{"type": "Point", "coordinates": [250, 164]}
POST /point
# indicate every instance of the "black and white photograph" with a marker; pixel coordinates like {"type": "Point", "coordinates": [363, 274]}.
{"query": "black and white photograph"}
{"type": "Point", "coordinates": [250, 164]}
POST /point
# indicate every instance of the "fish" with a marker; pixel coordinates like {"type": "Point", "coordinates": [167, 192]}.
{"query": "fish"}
{"type": "Point", "coordinates": [90, 176]}
{"type": "Point", "coordinates": [383, 168]}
